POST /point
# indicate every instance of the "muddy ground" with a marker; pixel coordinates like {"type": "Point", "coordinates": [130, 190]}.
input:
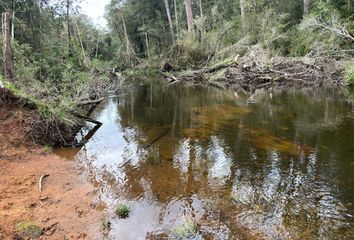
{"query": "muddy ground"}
{"type": "Point", "coordinates": [66, 207]}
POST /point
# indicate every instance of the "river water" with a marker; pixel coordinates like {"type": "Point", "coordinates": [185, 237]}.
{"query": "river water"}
{"type": "Point", "coordinates": [268, 165]}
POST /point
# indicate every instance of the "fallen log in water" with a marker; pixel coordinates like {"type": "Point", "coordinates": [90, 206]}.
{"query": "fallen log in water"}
{"type": "Point", "coordinates": [88, 102]}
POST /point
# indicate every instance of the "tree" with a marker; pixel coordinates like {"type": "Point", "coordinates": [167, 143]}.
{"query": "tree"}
{"type": "Point", "coordinates": [169, 20]}
{"type": "Point", "coordinates": [7, 54]}
{"type": "Point", "coordinates": [242, 9]}
{"type": "Point", "coordinates": [306, 7]}
{"type": "Point", "coordinates": [189, 14]}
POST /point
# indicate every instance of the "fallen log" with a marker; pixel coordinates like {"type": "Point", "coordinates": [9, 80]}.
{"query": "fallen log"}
{"type": "Point", "coordinates": [88, 102]}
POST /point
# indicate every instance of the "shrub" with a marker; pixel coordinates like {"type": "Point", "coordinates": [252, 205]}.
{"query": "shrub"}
{"type": "Point", "coordinates": [123, 210]}
{"type": "Point", "coordinates": [349, 75]}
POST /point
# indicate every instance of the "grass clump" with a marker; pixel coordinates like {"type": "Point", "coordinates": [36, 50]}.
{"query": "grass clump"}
{"type": "Point", "coordinates": [349, 76]}
{"type": "Point", "coordinates": [47, 149]}
{"type": "Point", "coordinates": [187, 230]}
{"type": "Point", "coordinates": [123, 210]}
{"type": "Point", "coordinates": [28, 230]}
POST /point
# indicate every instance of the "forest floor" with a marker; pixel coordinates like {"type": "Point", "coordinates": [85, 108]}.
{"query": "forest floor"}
{"type": "Point", "coordinates": [65, 209]}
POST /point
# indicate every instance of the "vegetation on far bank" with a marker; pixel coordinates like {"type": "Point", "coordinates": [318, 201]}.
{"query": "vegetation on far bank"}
{"type": "Point", "coordinates": [62, 59]}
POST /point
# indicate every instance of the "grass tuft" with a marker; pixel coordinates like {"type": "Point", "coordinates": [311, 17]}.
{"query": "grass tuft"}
{"type": "Point", "coordinates": [187, 230]}
{"type": "Point", "coordinates": [28, 230]}
{"type": "Point", "coordinates": [123, 210]}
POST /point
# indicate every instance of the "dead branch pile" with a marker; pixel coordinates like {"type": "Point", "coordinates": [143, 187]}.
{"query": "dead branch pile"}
{"type": "Point", "coordinates": [251, 75]}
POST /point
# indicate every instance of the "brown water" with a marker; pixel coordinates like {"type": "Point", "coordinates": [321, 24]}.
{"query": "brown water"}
{"type": "Point", "coordinates": [268, 165]}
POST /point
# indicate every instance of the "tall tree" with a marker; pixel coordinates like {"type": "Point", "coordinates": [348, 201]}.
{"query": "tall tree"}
{"type": "Point", "coordinates": [189, 13]}
{"type": "Point", "coordinates": [169, 20]}
{"type": "Point", "coordinates": [7, 54]}
{"type": "Point", "coordinates": [13, 20]}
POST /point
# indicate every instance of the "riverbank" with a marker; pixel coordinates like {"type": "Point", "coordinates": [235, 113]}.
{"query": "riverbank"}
{"type": "Point", "coordinates": [64, 209]}
{"type": "Point", "coordinates": [259, 69]}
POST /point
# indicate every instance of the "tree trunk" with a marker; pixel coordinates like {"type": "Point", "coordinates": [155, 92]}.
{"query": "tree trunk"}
{"type": "Point", "coordinates": [189, 14]}
{"type": "Point", "coordinates": [176, 16]}
{"type": "Point", "coordinates": [306, 7]}
{"type": "Point", "coordinates": [129, 50]}
{"type": "Point", "coordinates": [169, 20]}
{"type": "Point", "coordinates": [7, 54]}
{"type": "Point", "coordinates": [243, 11]}
{"type": "Point", "coordinates": [68, 25]}
{"type": "Point", "coordinates": [13, 20]}
{"type": "Point", "coordinates": [201, 8]}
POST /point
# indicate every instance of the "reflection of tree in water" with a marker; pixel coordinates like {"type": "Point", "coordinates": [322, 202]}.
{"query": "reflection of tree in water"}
{"type": "Point", "coordinates": [282, 164]}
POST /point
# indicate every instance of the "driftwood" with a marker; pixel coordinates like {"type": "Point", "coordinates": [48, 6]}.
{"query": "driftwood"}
{"type": "Point", "coordinates": [88, 102]}
{"type": "Point", "coordinates": [40, 182]}
{"type": "Point", "coordinates": [251, 75]}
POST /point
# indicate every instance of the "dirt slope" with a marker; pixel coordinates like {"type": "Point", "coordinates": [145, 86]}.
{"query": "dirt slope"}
{"type": "Point", "coordinates": [65, 209]}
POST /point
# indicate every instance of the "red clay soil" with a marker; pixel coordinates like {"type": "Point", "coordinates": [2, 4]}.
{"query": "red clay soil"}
{"type": "Point", "coordinates": [65, 209]}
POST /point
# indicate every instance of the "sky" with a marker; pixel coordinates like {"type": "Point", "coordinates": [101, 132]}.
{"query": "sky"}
{"type": "Point", "coordinates": [95, 10]}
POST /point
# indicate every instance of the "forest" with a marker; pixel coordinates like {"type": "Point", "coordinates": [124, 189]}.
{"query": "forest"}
{"type": "Point", "coordinates": [189, 84]}
{"type": "Point", "coordinates": [58, 58]}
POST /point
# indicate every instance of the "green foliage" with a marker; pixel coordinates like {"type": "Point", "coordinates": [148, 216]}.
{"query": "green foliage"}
{"type": "Point", "coordinates": [187, 230]}
{"type": "Point", "coordinates": [28, 230]}
{"type": "Point", "coordinates": [123, 210]}
{"type": "Point", "coordinates": [191, 51]}
{"type": "Point", "coordinates": [349, 75]}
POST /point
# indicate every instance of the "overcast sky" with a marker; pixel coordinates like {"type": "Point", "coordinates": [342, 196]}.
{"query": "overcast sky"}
{"type": "Point", "coordinates": [95, 9]}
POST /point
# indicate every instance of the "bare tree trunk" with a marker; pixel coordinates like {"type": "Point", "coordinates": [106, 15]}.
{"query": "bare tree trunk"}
{"type": "Point", "coordinates": [68, 26]}
{"type": "Point", "coordinates": [86, 60]}
{"type": "Point", "coordinates": [147, 44]}
{"type": "Point", "coordinates": [170, 20]}
{"type": "Point", "coordinates": [189, 14]}
{"type": "Point", "coordinates": [306, 7]}
{"type": "Point", "coordinates": [200, 8]}
{"type": "Point", "coordinates": [98, 40]}
{"type": "Point", "coordinates": [13, 20]}
{"type": "Point", "coordinates": [7, 54]}
{"type": "Point", "coordinates": [243, 11]}
{"type": "Point", "coordinates": [127, 41]}
{"type": "Point", "coordinates": [176, 16]}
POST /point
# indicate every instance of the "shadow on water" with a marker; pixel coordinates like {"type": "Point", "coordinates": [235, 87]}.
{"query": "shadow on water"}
{"type": "Point", "coordinates": [266, 165]}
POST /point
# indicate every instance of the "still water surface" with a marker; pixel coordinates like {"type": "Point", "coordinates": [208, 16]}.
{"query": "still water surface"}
{"type": "Point", "coordinates": [268, 165]}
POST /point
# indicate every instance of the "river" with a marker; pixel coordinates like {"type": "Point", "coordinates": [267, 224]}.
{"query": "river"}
{"type": "Point", "coordinates": [275, 164]}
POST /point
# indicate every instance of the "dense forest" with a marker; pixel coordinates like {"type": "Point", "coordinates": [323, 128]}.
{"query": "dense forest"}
{"type": "Point", "coordinates": [177, 119]}
{"type": "Point", "coordinates": [59, 58]}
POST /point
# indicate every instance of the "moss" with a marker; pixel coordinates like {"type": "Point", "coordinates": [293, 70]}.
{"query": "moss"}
{"type": "Point", "coordinates": [123, 210]}
{"type": "Point", "coordinates": [28, 230]}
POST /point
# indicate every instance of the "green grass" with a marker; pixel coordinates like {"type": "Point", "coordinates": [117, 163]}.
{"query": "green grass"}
{"type": "Point", "coordinates": [28, 230]}
{"type": "Point", "coordinates": [123, 210]}
{"type": "Point", "coordinates": [187, 230]}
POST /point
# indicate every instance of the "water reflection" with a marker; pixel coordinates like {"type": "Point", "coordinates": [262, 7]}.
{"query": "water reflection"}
{"type": "Point", "coordinates": [268, 165]}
